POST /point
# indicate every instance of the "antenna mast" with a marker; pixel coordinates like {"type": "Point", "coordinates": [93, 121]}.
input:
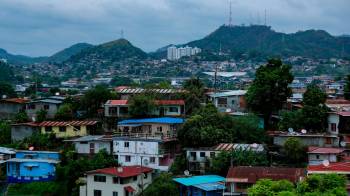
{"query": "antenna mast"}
{"type": "Point", "coordinates": [265, 18]}
{"type": "Point", "coordinates": [230, 17]}
{"type": "Point", "coordinates": [122, 34]}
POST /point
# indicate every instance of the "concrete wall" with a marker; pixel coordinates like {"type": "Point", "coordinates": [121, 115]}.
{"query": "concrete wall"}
{"type": "Point", "coordinates": [333, 118]}
{"type": "Point", "coordinates": [84, 148]}
{"type": "Point", "coordinates": [109, 187]}
{"type": "Point", "coordinates": [314, 160]}
{"type": "Point", "coordinates": [51, 112]}
{"type": "Point", "coordinates": [198, 158]}
{"type": "Point", "coordinates": [19, 132]}
{"type": "Point", "coordinates": [70, 131]}
{"type": "Point", "coordinates": [9, 110]}
{"type": "Point", "coordinates": [309, 140]}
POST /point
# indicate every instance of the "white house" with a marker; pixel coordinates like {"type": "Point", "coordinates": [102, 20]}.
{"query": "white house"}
{"type": "Point", "coordinates": [317, 155]}
{"type": "Point", "coordinates": [92, 144]}
{"type": "Point", "coordinates": [120, 181]}
{"type": "Point", "coordinates": [229, 101]}
{"type": "Point", "coordinates": [153, 153]}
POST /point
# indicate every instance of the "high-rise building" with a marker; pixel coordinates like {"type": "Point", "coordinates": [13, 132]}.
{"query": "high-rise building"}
{"type": "Point", "coordinates": [174, 53]}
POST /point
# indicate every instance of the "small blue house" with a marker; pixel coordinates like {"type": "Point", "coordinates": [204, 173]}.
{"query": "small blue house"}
{"type": "Point", "coordinates": [30, 166]}
{"type": "Point", "coordinates": [207, 185]}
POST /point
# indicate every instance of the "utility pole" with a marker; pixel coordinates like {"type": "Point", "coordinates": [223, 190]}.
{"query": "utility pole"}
{"type": "Point", "coordinates": [230, 16]}
{"type": "Point", "coordinates": [215, 78]}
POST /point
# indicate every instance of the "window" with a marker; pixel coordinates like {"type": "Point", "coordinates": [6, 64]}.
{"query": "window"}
{"type": "Point", "coordinates": [100, 178]}
{"type": "Point", "coordinates": [159, 129]}
{"type": "Point", "coordinates": [84, 142]}
{"type": "Point", "coordinates": [46, 107]}
{"type": "Point", "coordinates": [202, 154]}
{"type": "Point", "coordinates": [212, 154]}
{"type": "Point", "coordinates": [76, 128]}
{"type": "Point", "coordinates": [333, 127]}
{"type": "Point", "coordinates": [115, 180]}
{"type": "Point", "coordinates": [222, 101]}
{"type": "Point", "coordinates": [127, 158]}
{"type": "Point", "coordinates": [48, 129]}
{"type": "Point", "coordinates": [115, 193]}
{"type": "Point", "coordinates": [145, 175]}
{"type": "Point", "coordinates": [31, 107]}
{"type": "Point", "coordinates": [134, 178]}
{"type": "Point", "coordinates": [97, 193]}
{"type": "Point", "coordinates": [317, 156]}
{"type": "Point", "coordinates": [328, 140]}
{"type": "Point", "coordinates": [233, 102]}
{"type": "Point", "coordinates": [173, 109]}
{"type": "Point", "coordinates": [126, 144]}
{"type": "Point", "coordinates": [152, 159]}
{"type": "Point", "coordinates": [62, 129]}
{"type": "Point", "coordinates": [193, 155]}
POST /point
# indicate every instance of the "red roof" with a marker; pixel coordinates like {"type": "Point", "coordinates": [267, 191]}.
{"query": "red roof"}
{"type": "Point", "coordinates": [343, 113]}
{"type": "Point", "coordinates": [66, 123]}
{"type": "Point", "coordinates": [16, 100]}
{"type": "Point", "coordinates": [129, 189]}
{"type": "Point", "coordinates": [123, 172]}
{"type": "Point", "coordinates": [157, 102]}
{"type": "Point", "coordinates": [247, 174]}
{"type": "Point", "coordinates": [32, 124]}
{"type": "Point", "coordinates": [321, 150]}
{"type": "Point", "coordinates": [332, 167]}
{"type": "Point", "coordinates": [337, 101]}
{"type": "Point", "coordinates": [224, 147]}
{"type": "Point", "coordinates": [170, 102]}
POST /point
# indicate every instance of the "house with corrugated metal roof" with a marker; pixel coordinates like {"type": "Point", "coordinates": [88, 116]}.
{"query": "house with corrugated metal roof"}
{"type": "Point", "coordinates": [49, 104]}
{"type": "Point", "coordinates": [199, 158]}
{"type": "Point", "coordinates": [229, 101]}
{"type": "Point", "coordinates": [207, 185]}
{"type": "Point", "coordinates": [120, 108]}
{"type": "Point", "coordinates": [67, 129]}
{"type": "Point", "coordinates": [10, 107]}
{"type": "Point", "coordinates": [126, 92]}
{"type": "Point", "coordinates": [92, 144]}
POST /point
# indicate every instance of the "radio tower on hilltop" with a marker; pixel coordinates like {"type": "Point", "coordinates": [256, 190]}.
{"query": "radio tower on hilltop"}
{"type": "Point", "coordinates": [230, 16]}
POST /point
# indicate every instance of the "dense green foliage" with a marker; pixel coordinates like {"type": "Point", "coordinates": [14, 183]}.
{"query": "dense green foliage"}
{"type": "Point", "coordinates": [65, 112]}
{"type": "Point", "coordinates": [221, 163]}
{"type": "Point", "coordinates": [141, 105]}
{"type": "Point", "coordinates": [94, 98]}
{"type": "Point", "coordinates": [6, 90]}
{"type": "Point", "coordinates": [208, 127]}
{"type": "Point", "coordinates": [5, 133]}
{"type": "Point", "coordinates": [122, 81]}
{"type": "Point", "coordinates": [295, 151]}
{"type": "Point", "coordinates": [41, 115]}
{"type": "Point", "coordinates": [195, 95]}
{"type": "Point", "coordinates": [161, 186]}
{"type": "Point", "coordinates": [179, 165]}
{"type": "Point", "coordinates": [262, 41]}
{"type": "Point", "coordinates": [314, 185]}
{"type": "Point", "coordinates": [269, 89]}
{"type": "Point", "coordinates": [6, 72]}
{"type": "Point", "coordinates": [35, 189]}
{"type": "Point", "coordinates": [347, 88]}
{"type": "Point", "coordinates": [20, 117]}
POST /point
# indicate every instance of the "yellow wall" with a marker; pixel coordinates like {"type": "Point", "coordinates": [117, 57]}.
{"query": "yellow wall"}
{"type": "Point", "coordinates": [70, 132]}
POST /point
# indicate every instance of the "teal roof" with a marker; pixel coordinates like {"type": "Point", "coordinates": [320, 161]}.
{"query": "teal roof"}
{"type": "Point", "coordinates": [196, 180]}
{"type": "Point", "coordinates": [211, 186]}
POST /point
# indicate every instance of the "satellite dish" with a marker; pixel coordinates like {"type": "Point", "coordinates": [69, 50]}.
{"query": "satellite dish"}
{"type": "Point", "coordinates": [303, 131]}
{"type": "Point", "coordinates": [4, 96]}
{"type": "Point", "coordinates": [325, 163]}
{"type": "Point", "coordinates": [342, 144]}
{"type": "Point", "coordinates": [33, 119]}
{"type": "Point", "coordinates": [120, 170]}
{"type": "Point", "coordinates": [187, 173]}
{"type": "Point", "coordinates": [290, 130]}
{"type": "Point", "coordinates": [57, 93]}
{"type": "Point", "coordinates": [31, 148]}
{"type": "Point", "coordinates": [254, 145]}
{"type": "Point", "coordinates": [228, 110]}
{"type": "Point", "coordinates": [145, 162]}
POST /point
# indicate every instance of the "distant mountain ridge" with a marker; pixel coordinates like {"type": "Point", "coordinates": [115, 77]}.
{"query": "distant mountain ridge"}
{"type": "Point", "coordinates": [66, 53]}
{"type": "Point", "coordinates": [112, 51]}
{"type": "Point", "coordinates": [263, 40]}
{"type": "Point", "coordinates": [19, 59]}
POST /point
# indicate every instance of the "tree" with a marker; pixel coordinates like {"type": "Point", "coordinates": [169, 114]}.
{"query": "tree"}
{"type": "Point", "coordinates": [195, 94]}
{"type": "Point", "coordinates": [20, 117]}
{"type": "Point", "coordinates": [221, 163]}
{"type": "Point", "coordinates": [179, 165]}
{"type": "Point", "coordinates": [162, 185]}
{"type": "Point", "coordinates": [294, 150]}
{"type": "Point", "coordinates": [314, 111]}
{"type": "Point", "coordinates": [5, 133]}
{"type": "Point", "coordinates": [122, 81]}
{"type": "Point", "coordinates": [347, 88]}
{"type": "Point", "coordinates": [6, 90]}
{"type": "Point", "coordinates": [323, 184]}
{"type": "Point", "coordinates": [141, 105]}
{"type": "Point", "coordinates": [290, 119]}
{"type": "Point", "coordinates": [208, 127]}
{"type": "Point", "coordinates": [267, 187]}
{"type": "Point", "coordinates": [94, 98]}
{"type": "Point", "coordinates": [41, 115]}
{"type": "Point", "coordinates": [65, 112]}
{"type": "Point", "coordinates": [269, 89]}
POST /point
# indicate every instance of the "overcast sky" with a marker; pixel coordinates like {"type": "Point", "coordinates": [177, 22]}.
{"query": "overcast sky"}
{"type": "Point", "coordinates": [42, 27]}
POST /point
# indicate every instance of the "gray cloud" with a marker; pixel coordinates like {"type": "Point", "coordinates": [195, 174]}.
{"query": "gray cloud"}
{"type": "Point", "coordinates": [42, 27]}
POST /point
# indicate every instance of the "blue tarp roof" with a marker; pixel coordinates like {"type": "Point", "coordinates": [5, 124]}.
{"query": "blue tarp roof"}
{"type": "Point", "coordinates": [211, 186]}
{"type": "Point", "coordinates": [163, 120]}
{"type": "Point", "coordinates": [196, 180]}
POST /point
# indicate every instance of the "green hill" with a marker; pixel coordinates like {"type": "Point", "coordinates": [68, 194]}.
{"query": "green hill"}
{"type": "Point", "coordinates": [65, 54]}
{"type": "Point", "coordinates": [113, 51]}
{"type": "Point", "coordinates": [19, 59]}
{"type": "Point", "coordinates": [267, 42]}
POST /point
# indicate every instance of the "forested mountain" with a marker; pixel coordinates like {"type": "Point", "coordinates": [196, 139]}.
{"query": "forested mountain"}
{"type": "Point", "coordinates": [65, 54]}
{"type": "Point", "coordinates": [19, 59]}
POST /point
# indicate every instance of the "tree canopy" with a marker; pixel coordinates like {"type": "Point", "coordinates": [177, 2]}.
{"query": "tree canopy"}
{"type": "Point", "coordinates": [294, 150]}
{"type": "Point", "coordinates": [162, 185]}
{"type": "Point", "coordinates": [6, 90]}
{"type": "Point", "coordinates": [141, 105]}
{"type": "Point", "coordinates": [94, 98]}
{"type": "Point", "coordinates": [347, 88]}
{"type": "Point", "coordinates": [193, 98]}
{"type": "Point", "coordinates": [269, 89]}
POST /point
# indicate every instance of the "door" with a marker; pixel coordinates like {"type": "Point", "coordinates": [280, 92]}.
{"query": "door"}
{"type": "Point", "coordinates": [92, 148]}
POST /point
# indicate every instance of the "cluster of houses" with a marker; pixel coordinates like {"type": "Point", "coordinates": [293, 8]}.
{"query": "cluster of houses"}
{"type": "Point", "coordinates": [145, 147]}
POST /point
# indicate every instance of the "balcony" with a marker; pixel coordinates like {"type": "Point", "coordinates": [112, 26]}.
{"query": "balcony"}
{"type": "Point", "coordinates": [160, 136]}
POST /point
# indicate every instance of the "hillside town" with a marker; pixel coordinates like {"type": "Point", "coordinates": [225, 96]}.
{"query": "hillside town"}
{"type": "Point", "coordinates": [182, 139]}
